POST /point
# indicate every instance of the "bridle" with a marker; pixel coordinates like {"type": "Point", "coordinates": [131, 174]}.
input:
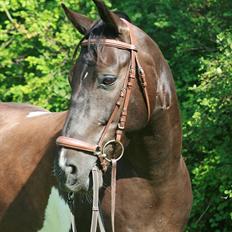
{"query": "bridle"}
{"type": "Point", "coordinates": [100, 149]}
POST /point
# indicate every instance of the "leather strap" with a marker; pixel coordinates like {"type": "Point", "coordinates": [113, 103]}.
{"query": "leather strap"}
{"type": "Point", "coordinates": [140, 70]}
{"type": "Point", "coordinates": [95, 208]}
{"type": "Point", "coordinates": [113, 192]}
{"type": "Point", "coordinates": [75, 144]}
{"type": "Point", "coordinates": [96, 217]}
{"type": "Point", "coordinates": [143, 84]}
{"type": "Point", "coordinates": [110, 43]}
{"type": "Point", "coordinates": [100, 223]}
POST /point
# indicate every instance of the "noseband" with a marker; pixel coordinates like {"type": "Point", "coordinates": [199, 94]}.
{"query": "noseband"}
{"type": "Point", "coordinates": [100, 149]}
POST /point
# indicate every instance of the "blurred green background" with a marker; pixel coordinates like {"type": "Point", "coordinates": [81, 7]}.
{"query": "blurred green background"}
{"type": "Point", "coordinates": [36, 47]}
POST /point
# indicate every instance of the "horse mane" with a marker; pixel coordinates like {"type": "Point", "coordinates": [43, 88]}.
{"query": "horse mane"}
{"type": "Point", "coordinates": [122, 15]}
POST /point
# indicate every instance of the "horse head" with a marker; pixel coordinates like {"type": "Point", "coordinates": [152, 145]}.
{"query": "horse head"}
{"type": "Point", "coordinates": [100, 80]}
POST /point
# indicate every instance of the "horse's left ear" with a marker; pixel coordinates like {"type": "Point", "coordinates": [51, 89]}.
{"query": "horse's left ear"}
{"type": "Point", "coordinates": [80, 22]}
{"type": "Point", "coordinates": [111, 18]}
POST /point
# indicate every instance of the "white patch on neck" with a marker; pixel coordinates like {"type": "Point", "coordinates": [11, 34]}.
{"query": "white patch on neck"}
{"type": "Point", "coordinates": [57, 214]}
{"type": "Point", "coordinates": [37, 113]}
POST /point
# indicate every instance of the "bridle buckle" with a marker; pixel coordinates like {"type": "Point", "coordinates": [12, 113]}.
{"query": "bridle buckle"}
{"type": "Point", "coordinates": [121, 127]}
{"type": "Point", "coordinates": [98, 151]}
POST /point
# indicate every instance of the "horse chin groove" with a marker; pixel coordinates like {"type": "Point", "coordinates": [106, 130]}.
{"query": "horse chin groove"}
{"type": "Point", "coordinates": [73, 188]}
{"type": "Point", "coordinates": [73, 185]}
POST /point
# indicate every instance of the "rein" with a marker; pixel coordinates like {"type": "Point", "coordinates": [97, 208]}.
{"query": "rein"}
{"type": "Point", "coordinates": [100, 149]}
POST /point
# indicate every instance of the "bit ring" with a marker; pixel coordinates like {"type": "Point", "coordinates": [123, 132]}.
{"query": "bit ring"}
{"type": "Point", "coordinates": [113, 141]}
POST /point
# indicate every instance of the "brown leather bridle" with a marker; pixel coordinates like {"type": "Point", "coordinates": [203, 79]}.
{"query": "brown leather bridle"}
{"type": "Point", "coordinates": [122, 103]}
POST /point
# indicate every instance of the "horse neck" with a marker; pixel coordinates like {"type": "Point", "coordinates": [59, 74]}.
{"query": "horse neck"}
{"type": "Point", "coordinates": [155, 151]}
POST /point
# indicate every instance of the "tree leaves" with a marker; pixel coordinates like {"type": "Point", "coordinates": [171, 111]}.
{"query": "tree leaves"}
{"type": "Point", "coordinates": [37, 44]}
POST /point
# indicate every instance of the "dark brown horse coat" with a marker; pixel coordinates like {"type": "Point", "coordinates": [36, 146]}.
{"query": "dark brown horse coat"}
{"type": "Point", "coordinates": [153, 185]}
{"type": "Point", "coordinates": [27, 150]}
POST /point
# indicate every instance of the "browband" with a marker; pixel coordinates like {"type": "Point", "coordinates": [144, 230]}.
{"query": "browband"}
{"type": "Point", "coordinates": [110, 43]}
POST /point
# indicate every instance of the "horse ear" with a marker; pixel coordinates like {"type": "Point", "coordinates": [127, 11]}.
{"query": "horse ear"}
{"type": "Point", "coordinates": [81, 22]}
{"type": "Point", "coordinates": [110, 18]}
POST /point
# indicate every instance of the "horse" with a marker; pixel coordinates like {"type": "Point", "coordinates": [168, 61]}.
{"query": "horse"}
{"type": "Point", "coordinates": [123, 96]}
{"type": "Point", "coordinates": [27, 151]}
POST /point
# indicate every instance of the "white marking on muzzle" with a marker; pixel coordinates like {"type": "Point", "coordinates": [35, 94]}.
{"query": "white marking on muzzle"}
{"type": "Point", "coordinates": [36, 113]}
{"type": "Point", "coordinates": [62, 159]}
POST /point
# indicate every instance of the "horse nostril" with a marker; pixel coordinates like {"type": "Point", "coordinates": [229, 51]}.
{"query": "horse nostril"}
{"type": "Point", "coordinates": [71, 169]}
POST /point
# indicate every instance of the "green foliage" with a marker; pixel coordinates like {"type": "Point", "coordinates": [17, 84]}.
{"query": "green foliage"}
{"type": "Point", "coordinates": [37, 44]}
{"type": "Point", "coordinates": [208, 137]}
{"type": "Point", "coordinates": [36, 47]}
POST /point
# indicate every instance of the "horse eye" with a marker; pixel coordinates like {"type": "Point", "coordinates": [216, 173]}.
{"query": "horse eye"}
{"type": "Point", "coordinates": [109, 80]}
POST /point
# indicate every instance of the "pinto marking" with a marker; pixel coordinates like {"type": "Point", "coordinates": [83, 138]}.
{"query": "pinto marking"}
{"type": "Point", "coordinates": [36, 113]}
{"type": "Point", "coordinates": [57, 214]}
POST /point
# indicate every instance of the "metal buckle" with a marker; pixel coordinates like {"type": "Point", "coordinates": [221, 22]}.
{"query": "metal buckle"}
{"type": "Point", "coordinates": [113, 141]}
{"type": "Point", "coordinates": [98, 151]}
{"type": "Point", "coordinates": [121, 127]}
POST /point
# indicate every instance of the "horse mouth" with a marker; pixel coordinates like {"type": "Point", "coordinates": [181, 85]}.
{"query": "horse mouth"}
{"type": "Point", "coordinates": [72, 182]}
{"type": "Point", "coordinates": [74, 185]}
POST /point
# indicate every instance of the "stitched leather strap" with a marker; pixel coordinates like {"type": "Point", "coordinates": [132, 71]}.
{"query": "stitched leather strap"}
{"type": "Point", "coordinates": [113, 192]}
{"type": "Point", "coordinates": [110, 43]}
{"type": "Point", "coordinates": [75, 144]}
{"type": "Point", "coordinates": [95, 208]}
{"type": "Point", "coordinates": [142, 76]}
{"type": "Point", "coordinates": [143, 84]}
